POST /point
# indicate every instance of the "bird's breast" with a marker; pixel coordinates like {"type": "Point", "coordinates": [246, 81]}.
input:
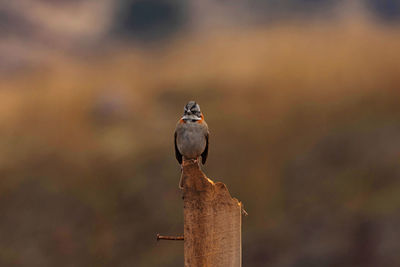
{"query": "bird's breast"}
{"type": "Point", "coordinates": [191, 139]}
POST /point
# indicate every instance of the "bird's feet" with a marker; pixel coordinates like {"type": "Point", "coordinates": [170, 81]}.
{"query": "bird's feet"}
{"type": "Point", "coordinates": [190, 161]}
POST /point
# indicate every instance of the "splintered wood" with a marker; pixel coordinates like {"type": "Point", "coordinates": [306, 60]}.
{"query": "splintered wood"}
{"type": "Point", "coordinates": [212, 221]}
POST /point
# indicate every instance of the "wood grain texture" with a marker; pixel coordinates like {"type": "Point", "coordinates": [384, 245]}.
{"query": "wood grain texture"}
{"type": "Point", "coordinates": [212, 221]}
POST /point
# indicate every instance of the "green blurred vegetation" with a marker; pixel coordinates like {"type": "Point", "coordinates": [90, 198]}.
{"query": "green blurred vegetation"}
{"type": "Point", "coordinates": [304, 123]}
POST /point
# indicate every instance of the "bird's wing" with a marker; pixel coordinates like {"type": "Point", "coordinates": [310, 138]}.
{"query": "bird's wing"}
{"type": "Point", "coordinates": [178, 154]}
{"type": "Point", "coordinates": [205, 152]}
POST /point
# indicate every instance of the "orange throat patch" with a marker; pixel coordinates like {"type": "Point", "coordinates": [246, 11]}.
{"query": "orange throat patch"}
{"type": "Point", "coordinates": [202, 118]}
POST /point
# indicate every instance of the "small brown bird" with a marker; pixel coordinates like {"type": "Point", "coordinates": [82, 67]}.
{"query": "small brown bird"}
{"type": "Point", "coordinates": [191, 136]}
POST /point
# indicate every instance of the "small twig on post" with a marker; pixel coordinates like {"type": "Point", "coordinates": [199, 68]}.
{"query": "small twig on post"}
{"type": "Point", "coordinates": [164, 237]}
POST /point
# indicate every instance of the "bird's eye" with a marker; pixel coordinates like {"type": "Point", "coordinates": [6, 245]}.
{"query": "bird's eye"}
{"type": "Point", "coordinates": [193, 120]}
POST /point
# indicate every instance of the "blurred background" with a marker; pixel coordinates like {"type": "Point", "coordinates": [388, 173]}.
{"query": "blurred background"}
{"type": "Point", "coordinates": [302, 100]}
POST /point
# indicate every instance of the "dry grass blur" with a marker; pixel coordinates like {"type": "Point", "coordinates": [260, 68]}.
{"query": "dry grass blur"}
{"type": "Point", "coordinates": [305, 118]}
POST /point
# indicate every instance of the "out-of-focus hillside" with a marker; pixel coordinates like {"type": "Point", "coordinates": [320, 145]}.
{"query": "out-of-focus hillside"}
{"type": "Point", "coordinates": [304, 126]}
{"type": "Point", "coordinates": [31, 30]}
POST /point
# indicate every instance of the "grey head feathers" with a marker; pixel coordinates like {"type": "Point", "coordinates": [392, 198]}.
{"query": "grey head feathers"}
{"type": "Point", "coordinates": [192, 108]}
{"type": "Point", "coordinates": [191, 111]}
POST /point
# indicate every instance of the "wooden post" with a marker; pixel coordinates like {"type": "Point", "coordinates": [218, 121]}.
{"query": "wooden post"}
{"type": "Point", "coordinates": [212, 221]}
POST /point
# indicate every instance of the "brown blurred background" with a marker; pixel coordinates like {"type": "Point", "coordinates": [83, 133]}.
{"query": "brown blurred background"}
{"type": "Point", "coordinates": [301, 96]}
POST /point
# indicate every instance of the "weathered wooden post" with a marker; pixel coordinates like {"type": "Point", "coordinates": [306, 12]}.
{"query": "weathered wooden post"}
{"type": "Point", "coordinates": [212, 221]}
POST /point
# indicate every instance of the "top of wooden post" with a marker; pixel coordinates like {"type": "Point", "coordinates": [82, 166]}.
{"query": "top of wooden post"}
{"type": "Point", "coordinates": [196, 183]}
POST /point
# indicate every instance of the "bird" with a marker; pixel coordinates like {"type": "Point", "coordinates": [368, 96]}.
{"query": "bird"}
{"type": "Point", "coordinates": [191, 136]}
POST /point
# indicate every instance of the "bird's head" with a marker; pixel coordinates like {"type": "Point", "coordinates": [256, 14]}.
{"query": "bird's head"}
{"type": "Point", "coordinates": [191, 112]}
